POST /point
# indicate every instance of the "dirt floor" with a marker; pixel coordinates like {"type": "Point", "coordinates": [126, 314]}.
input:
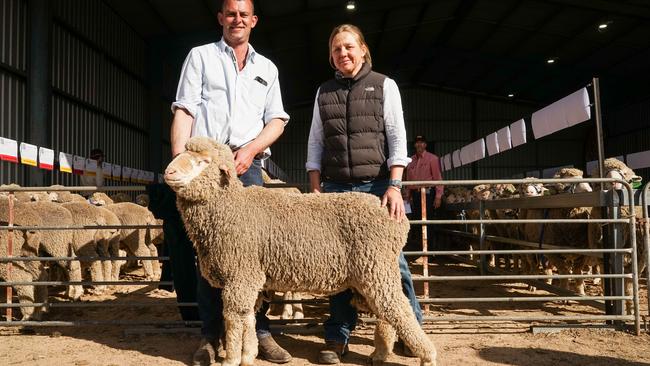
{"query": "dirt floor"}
{"type": "Point", "coordinates": [482, 343]}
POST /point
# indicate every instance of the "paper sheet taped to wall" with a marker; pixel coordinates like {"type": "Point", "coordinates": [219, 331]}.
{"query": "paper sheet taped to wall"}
{"type": "Point", "coordinates": [456, 159]}
{"type": "Point", "coordinates": [503, 137]}
{"type": "Point", "coordinates": [91, 167]}
{"type": "Point", "coordinates": [107, 170]}
{"type": "Point", "coordinates": [566, 112]}
{"type": "Point", "coordinates": [448, 165]}
{"type": "Point", "coordinates": [8, 150]}
{"type": "Point", "coordinates": [492, 143]}
{"type": "Point", "coordinates": [28, 154]}
{"type": "Point", "coordinates": [79, 164]}
{"type": "Point", "coordinates": [45, 158]}
{"type": "Point", "coordinates": [117, 172]}
{"type": "Point", "coordinates": [65, 162]}
{"type": "Point", "coordinates": [638, 160]}
{"type": "Point", "coordinates": [518, 133]}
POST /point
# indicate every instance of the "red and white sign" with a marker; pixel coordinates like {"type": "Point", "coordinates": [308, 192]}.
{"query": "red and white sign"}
{"type": "Point", "coordinates": [45, 158]}
{"type": "Point", "coordinates": [8, 150]}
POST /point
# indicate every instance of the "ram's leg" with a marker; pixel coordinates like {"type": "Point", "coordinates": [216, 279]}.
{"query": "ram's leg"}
{"type": "Point", "coordinates": [384, 296]}
{"type": "Point", "coordinates": [238, 311]}
{"type": "Point", "coordinates": [155, 264]}
{"type": "Point", "coordinates": [384, 341]}
{"type": "Point", "coordinates": [297, 308]}
{"type": "Point", "coordinates": [287, 309]}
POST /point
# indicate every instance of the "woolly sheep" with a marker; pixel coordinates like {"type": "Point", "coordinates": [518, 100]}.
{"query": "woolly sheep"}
{"type": "Point", "coordinates": [59, 243]}
{"type": "Point", "coordinates": [90, 242]}
{"type": "Point", "coordinates": [615, 168]}
{"type": "Point", "coordinates": [569, 234]}
{"type": "Point", "coordinates": [139, 242]}
{"type": "Point", "coordinates": [65, 196]}
{"type": "Point", "coordinates": [121, 197]}
{"type": "Point", "coordinates": [357, 247]}
{"type": "Point", "coordinates": [26, 243]}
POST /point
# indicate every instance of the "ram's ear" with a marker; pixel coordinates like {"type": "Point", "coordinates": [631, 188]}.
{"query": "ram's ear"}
{"type": "Point", "coordinates": [224, 170]}
{"type": "Point", "coordinates": [225, 175]}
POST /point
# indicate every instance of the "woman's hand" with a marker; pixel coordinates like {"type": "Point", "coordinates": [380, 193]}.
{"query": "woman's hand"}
{"type": "Point", "coordinates": [393, 197]}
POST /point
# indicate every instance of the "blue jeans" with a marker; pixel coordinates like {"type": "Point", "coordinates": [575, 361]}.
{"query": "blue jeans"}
{"type": "Point", "coordinates": [343, 316]}
{"type": "Point", "coordinates": [209, 298]}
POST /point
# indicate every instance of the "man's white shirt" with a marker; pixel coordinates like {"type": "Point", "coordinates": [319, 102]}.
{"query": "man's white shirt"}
{"type": "Point", "coordinates": [229, 105]}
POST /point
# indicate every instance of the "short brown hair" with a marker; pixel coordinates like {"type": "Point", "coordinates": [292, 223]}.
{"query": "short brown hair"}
{"type": "Point", "coordinates": [359, 36]}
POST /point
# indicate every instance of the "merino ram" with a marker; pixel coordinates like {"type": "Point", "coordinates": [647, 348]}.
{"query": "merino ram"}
{"type": "Point", "coordinates": [318, 243]}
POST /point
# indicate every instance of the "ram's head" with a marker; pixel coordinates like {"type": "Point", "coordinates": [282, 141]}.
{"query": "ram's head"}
{"type": "Point", "coordinates": [204, 165]}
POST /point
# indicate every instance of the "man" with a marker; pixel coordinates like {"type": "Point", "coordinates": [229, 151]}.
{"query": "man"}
{"type": "Point", "coordinates": [424, 166]}
{"type": "Point", "coordinates": [231, 93]}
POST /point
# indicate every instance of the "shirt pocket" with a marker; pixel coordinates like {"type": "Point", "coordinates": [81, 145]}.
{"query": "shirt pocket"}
{"type": "Point", "coordinates": [256, 92]}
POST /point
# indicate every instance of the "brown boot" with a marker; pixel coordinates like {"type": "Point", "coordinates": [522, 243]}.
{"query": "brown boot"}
{"type": "Point", "coordinates": [332, 352]}
{"type": "Point", "coordinates": [205, 354]}
{"type": "Point", "coordinates": [271, 351]}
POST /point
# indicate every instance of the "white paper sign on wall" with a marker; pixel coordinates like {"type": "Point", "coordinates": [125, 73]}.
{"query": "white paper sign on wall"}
{"type": "Point", "coordinates": [503, 136]}
{"type": "Point", "coordinates": [45, 158]}
{"type": "Point", "coordinates": [518, 133]}
{"type": "Point", "coordinates": [8, 150]}
{"type": "Point", "coordinates": [492, 143]}
{"type": "Point", "coordinates": [65, 162]}
{"type": "Point", "coordinates": [28, 154]}
{"type": "Point", "coordinates": [79, 165]}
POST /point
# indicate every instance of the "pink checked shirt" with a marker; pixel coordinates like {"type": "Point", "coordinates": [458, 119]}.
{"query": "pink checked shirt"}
{"type": "Point", "coordinates": [422, 168]}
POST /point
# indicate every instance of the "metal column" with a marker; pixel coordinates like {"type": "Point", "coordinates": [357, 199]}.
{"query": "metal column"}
{"type": "Point", "coordinates": [38, 128]}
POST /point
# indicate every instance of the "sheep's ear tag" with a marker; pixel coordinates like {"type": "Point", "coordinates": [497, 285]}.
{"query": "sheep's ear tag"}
{"type": "Point", "coordinates": [224, 169]}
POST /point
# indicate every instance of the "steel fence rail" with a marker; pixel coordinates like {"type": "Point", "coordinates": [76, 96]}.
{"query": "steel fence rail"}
{"type": "Point", "coordinates": [521, 221]}
{"type": "Point", "coordinates": [480, 206]}
{"type": "Point", "coordinates": [78, 227]}
{"type": "Point", "coordinates": [86, 283]}
{"type": "Point", "coordinates": [79, 259]}
{"type": "Point", "coordinates": [646, 235]}
{"type": "Point", "coordinates": [517, 277]}
{"type": "Point", "coordinates": [76, 189]}
{"type": "Point", "coordinates": [518, 251]}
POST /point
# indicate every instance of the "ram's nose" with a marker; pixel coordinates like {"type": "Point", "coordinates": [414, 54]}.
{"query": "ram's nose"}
{"type": "Point", "coordinates": [170, 173]}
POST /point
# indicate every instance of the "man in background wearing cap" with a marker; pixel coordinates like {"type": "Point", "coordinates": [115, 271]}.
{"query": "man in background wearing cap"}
{"type": "Point", "coordinates": [424, 166]}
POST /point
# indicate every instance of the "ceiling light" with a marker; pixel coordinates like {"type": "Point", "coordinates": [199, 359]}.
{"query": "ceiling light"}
{"type": "Point", "coordinates": [550, 61]}
{"type": "Point", "coordinates": [511, 95]}
{"type": "Point", "coordinates": [351, 5]}
{"type": "Point", "coordinates": [602, 27]}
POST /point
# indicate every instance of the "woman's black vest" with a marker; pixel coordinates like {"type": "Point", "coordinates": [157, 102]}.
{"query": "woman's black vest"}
{"type": "Point", "coordinates": [352, 112]}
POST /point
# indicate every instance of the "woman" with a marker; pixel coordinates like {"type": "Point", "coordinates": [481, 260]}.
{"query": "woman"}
{"type": "Point", "coordinates": [357, 142]}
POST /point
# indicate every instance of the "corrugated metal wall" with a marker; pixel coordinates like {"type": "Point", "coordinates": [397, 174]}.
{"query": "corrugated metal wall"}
{"type": "Point", "coordinates": [627, 130]}
{"type": "Point", "coordinates": [13, 90]}
{"type": "Point", "coordinates": [99, 96]}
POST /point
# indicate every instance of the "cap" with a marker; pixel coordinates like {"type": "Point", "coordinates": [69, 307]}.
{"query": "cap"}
{"type": "Point", "coordinates": [420, 138]}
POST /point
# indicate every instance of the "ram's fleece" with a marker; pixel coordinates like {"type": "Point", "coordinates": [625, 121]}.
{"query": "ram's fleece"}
{"type": "Point", "coordinates": [252, 239]}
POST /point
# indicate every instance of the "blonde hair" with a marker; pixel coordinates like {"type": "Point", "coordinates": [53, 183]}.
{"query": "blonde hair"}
{"type": "Point", "coordinates": [356, 32]}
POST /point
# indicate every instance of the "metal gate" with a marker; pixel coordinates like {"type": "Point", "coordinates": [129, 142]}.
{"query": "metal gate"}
{"type": "Point", "coordinates": [613, 299]}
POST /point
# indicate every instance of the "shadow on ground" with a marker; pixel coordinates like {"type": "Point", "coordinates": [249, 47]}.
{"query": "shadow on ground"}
{"type": "Point", "coordinates": [541, 356]}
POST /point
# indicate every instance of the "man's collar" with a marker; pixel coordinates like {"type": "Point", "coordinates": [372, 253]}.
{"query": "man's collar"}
{"type": "Point", "coordinates": [224, 47]}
